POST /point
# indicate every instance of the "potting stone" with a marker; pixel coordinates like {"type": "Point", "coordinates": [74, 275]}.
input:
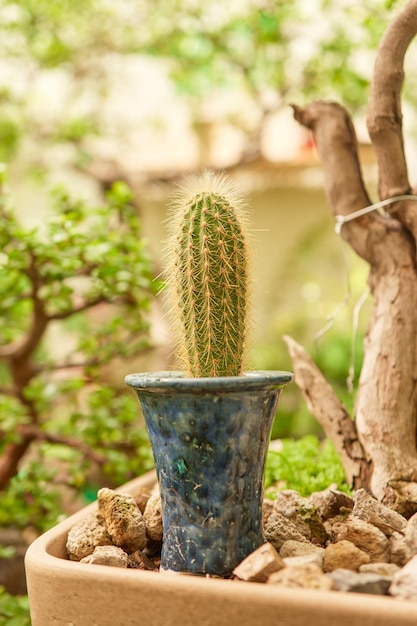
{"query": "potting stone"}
{"type": "Point", "coordinates": [344, 554]}
{"type": "Point", "coordinates": [140, 560]}
{"type": "Point", "coordinates": [398, 549]}
{"type": "Point", "coordinates": [85, 536]}
{"type": "Point", "coordinates": [302, 513]}
{"type": "Point", "coordinates": [347, 580]}
{"type": "Point", "coordinates": [404, 582]}
{"type": "Point", "coordinates": [107, 555]}
{"type": "Point", "coordinates": [124, 521]}
{"type": "Point", "coordinates": [383, 569]}
{"type": "Point", "coordinates": [331, 502]}
{"type": "Point", "coordinates": [259, 565]}
{"type": "Point", "coordinates": [305, 559]}
{"type": "Point", "coordinates": [308, 576]}
{"type": "Point", "coordinates": [153, 518]}
{"type": "Point", "coordinates": [410, 535]}
{"type": "Point", "coordinates": [299, 548]}
{"type": "Point", "coordinates": [369, 509]}
{"type": "Point", "coordinates": [280, 529]}
{"type": "Point", "coordinates": [364, 535]}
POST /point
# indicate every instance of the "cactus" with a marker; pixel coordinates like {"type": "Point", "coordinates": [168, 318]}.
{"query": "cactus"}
{"type": "Point", "coordinates": [208, 274]}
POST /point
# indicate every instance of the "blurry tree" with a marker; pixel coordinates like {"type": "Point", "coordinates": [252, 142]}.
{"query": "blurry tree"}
{"type": "Point", "coordinates": [59, 420]}
{"type": "Point", "coordinates": [272, 52]}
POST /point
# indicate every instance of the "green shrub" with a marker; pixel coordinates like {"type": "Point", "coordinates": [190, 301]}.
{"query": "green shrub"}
{"type": "Point", "coordinates": [306, 465]}
{"type": "Point", "coordinates": [75, 293]}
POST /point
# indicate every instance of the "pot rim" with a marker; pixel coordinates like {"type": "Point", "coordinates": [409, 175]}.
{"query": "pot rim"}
{"type": "Point", "coordinates": [256, 379]}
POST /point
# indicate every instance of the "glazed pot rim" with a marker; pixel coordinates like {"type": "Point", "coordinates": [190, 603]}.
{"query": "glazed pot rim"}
{"type": "Point", "coordinates": [176, 379]}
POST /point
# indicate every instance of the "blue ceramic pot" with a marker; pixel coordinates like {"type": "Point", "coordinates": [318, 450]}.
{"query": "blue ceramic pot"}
{"type": "Point", "coordinates": [209, 438]}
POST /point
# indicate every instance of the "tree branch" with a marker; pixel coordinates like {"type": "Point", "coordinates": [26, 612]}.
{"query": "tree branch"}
{"type": "Point", "coordinates": [372, 234]}
{"type": "Point", "coordinates": [13, 452]}
{"type": "Point", "coordinates": [331, 126]}
{"type": "Point", "coordinates": [84, 306]}
{"type": "Point", "coordinates": [33, 432]}
{"type": "Point", "coordinates": [10, 458]}
{"type": "Point", "coordinates": [384, 117]}
{"type": "Point", "coordinates": [330, 412]}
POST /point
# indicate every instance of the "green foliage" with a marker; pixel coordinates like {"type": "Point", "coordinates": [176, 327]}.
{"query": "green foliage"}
{"type": "Point", "coordinates": [32, 499]}
{"type": "Point", "coordinates": [244, 48]}
{"type": "Point", "coordinates": [74, 295]}
{"type": "Point", "coordinates": [14, 610]}
{"type": "Point", "coordinates": [81, 258]}
{"type": "Point", "coordinates": [270, 54]}
{"type": "Point", "coordinates": [306, 465]}
{"type": "Point", "coordinates": [259, 48]}
{"type": "Point", "coordinates": [209, 277]}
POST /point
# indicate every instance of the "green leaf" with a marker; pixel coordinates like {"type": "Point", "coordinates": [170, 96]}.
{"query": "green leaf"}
{"type": "Point", "coordinates": [306, 465]}
{"type": "Point", "coordinates": [14, 610]}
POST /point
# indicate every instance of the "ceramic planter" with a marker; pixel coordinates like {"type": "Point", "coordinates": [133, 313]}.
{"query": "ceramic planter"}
{"type": "Point", "coordinates": [209, 438]}
{"type": "Point", "coordinates": [67, 593]}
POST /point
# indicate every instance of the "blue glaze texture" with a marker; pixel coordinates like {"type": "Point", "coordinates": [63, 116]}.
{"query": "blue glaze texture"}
{"type": "Point", "coordinates": [209, 443]}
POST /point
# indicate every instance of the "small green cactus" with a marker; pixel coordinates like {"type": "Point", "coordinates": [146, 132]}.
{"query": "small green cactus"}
{"type": "Point", "coordinates": [208, 274]}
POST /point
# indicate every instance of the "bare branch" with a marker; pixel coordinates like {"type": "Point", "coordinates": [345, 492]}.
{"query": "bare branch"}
{"type": "Point", "coordinates": [34, 432]}
{"type": "Point", "coordinates": [330, 412]}
{"type": "Point", "coordinates": [336, 143]}
{"type": "Point", "coordinates": [10, 458]}
{"type": "Point", "coordinates": [84, 306]}
{"type": "Point", "coordinates": [370, 235]}
{"type": "Point", "coordinates": [384, 118]}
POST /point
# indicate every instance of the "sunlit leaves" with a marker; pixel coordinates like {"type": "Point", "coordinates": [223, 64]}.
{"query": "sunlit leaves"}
{"type": "Point", "coordinates": [83, 255]}
{"type": "Point", "coordinates": [30, 498]}
{"type": "Point", "coordinates": [306, 465]}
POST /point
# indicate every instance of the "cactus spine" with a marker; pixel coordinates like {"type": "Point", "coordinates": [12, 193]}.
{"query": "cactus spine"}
{"type": "Point", "coordinates": [209, 277]}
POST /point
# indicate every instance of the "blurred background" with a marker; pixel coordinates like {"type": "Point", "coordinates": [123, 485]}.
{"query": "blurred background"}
{"type": "Point", "coordinates": [104, 108]}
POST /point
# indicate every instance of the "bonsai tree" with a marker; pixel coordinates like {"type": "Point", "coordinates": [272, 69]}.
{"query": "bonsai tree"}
{"type": "Point", "coordinates": [378, 447]}
{"type": "Point", "coordinates": [74, 293]}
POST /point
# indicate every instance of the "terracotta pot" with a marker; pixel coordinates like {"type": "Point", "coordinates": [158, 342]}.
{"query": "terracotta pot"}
{"type": "Point", "coordinates": [66, 593]}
